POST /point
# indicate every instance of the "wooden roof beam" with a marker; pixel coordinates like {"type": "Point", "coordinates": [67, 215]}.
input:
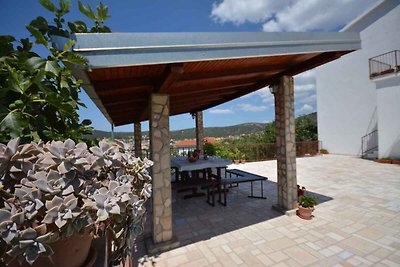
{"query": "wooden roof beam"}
{"type": "Point", "coordinates": [268, 69]}
{"type": "Point", "coordinates": [173, 73]}
{"type": "Point", "coordinates": [211, 89]}
{"type": "Point", "coordinates": [312, 63]}
{"type": "Point", "coordinates": [307, 65]}
{"type": "Point", "coordinates": [240, 93]}
{"type": "Point", "coordinates": [207, 94]}
{"type": "Point", "coordinates": [198, 85]}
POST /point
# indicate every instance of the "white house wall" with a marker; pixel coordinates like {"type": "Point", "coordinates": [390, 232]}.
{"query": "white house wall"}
{"type": "Point", "coordinates": [346, 97]}
{"type": "Point", "coordinates": [388, 92]}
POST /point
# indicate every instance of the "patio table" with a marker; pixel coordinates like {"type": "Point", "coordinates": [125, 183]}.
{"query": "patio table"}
{"type": "Point", "coordinates": [182, 163]}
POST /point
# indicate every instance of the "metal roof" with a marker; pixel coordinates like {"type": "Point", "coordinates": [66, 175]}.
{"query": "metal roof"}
{"type": "Point", "coordinates": [210, 67]}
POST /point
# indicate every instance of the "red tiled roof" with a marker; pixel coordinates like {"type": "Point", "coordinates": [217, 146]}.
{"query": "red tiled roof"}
{"type": "Point", "coordinates": [192, 142]}
{"type": "Point", "coordinates": [186, 143]}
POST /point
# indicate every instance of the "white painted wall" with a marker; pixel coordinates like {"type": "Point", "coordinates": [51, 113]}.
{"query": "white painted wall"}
{"type": "Point", "coordinates": [388, 92]}
{"type": "Point", "coordinates": [346, 97]}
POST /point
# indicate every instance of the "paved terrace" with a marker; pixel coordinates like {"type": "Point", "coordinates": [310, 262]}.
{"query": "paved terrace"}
{"type": "Point", "coordinates": [357, 222]}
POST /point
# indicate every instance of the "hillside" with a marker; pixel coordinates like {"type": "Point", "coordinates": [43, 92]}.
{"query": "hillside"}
{"type": "Point", "coordinates": [245, 128]}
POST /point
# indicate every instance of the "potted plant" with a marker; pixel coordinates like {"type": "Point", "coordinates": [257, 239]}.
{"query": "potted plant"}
{"type": "Point", "coordinates": [58, 195]}
{"type": "Point", "coordinates": [306, 206]}
{"type": "Point", "coordinates": [396, 161]}
{"type": "Point", "coordinates": [236, 156]}
{"type": "Point", "coordinates": [385, 160]}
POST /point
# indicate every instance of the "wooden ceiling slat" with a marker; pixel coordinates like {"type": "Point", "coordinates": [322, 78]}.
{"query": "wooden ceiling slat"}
{"type": "Point", "coordinates": [124, 112]}
{"type": "Point", "coordinates": [127, 72]}
{"type": "Point", "coordinates": [123, 83]}
{"type": "Point", "coordinates": [193, 86]}
{"type": "Point", "coordinates": [122, 102]}
{"type": "Point", "coordinates": [125, 92]}
{"type": "Point", "coordinates": [266, 70]}
{"type": "Point", "coordinates": [216, 82]}
{"type": "Point", "coordinates": [211, 89]}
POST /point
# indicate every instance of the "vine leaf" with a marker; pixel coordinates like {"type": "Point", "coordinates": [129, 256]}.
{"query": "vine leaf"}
{"type": "Point", "coordinates": [40, 38]}
{"type": "Point", "coordinates": [48, 5]}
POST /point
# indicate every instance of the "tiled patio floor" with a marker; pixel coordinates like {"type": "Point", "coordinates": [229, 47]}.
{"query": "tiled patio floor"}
{"type": "Point", "coordinates": [357, 222]}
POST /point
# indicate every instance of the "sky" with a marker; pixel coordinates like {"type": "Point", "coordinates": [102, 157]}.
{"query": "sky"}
{"type": "Point", "coordinates": [206, 16]}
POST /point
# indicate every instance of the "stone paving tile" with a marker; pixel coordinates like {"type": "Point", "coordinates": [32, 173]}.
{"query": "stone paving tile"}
{"type": "Point", "coordinates": [300, 255]}
{"type": "Point", "coordinates": [357, 221]}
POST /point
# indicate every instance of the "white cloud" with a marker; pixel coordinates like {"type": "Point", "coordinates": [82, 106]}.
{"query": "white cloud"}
{"type": "Point", "coordinates": [304, 87]}
{"type": "Point", "coordinates": [221, 111]}
{"type": "Point", "coordinates": [305, 109]}
{"type": "Point", "coordinates": [291, 15]}
{"type": "Point", "coordinates": [239, 12]}
{"type": "Point", "coordinates": [309, 99]}
{"type": "Point", "coordinates": [251, 108]}
{"type": "Point", "coordinates": [265, 95]}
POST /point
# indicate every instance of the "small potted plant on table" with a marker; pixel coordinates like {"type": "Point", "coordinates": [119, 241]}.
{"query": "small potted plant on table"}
{"type": "Point", "coordinates": [306, 206]}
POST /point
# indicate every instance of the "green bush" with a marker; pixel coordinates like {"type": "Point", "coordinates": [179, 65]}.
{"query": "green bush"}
{"type": "Point", "coordinates": [210, 149]}
{"type": "Point", "coordinates": [307, 201]}
{"type": "Point", "coordinates": [39, 95]}
{"type": "Point", "coordinates": [323, 151]}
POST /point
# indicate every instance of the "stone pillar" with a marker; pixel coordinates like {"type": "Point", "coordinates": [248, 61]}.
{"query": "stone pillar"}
{"type": "Point", "coordinates": [137, 133]}
{"type": "Point", "coordinates": [199, 131]}
{"type": "Point", "coordinates": [161, 170]}
{"type": "Point", "coordinates": [285, 144]}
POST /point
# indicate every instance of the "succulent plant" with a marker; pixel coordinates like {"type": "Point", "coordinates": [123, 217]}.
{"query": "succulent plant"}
{"type": "Point", "coordinates": [30, 246]}
{"type": "Point", "coordinates": [59, 210]}
{"type": "Point", "coordinates": [49, 191]}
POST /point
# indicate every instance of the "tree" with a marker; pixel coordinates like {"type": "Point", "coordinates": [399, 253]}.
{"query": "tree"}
{"type": "Point", "coordinates": [39, 96]}
{"type": "Point", "coordinates": [306, 130]}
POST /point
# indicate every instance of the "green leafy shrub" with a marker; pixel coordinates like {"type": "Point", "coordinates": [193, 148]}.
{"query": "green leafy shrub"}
{"type": "Point", "coordinates": [308, 201]}
{"type": "Point", "coordinates": [323, 151]}
{"type": "Point", "coordinates": [38, 95]}
{"type": "Point", "coordinates": [210, 149]}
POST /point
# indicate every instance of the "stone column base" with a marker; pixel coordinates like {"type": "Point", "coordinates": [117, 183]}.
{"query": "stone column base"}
{"type": "Point", "coordinates": [153, 249]}
{"type": "Point", "coordinates": [284, 211]}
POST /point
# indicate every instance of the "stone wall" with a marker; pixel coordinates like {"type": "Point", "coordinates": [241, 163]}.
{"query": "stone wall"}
{"type": "Point", "coordinates": [286, 144]}
{"type": "Point", "coordinates": [161, 170]}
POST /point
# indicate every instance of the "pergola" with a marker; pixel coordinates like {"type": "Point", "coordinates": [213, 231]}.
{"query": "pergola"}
{"type": "Point", "coordinates": [135, 77]}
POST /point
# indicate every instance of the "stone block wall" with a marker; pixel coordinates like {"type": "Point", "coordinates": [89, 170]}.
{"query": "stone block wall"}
{"type": "Point", "coordinates": [199, 131]}
{"type": "Point", "coordinates": [161, 170]}
{"type": "Point", "coordinates": [137, 135]}
{"type": "Point", "coordinates": [286, 143]}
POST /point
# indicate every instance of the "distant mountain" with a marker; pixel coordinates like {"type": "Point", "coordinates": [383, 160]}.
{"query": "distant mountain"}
{"type": "Point", "coordinates": [244, 128]}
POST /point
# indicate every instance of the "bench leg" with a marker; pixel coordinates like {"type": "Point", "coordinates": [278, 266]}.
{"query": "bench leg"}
{"type": "Point", "coordinates": [262, 191]}
{"type": "Point", "coordinates": [224, 195]}
{"type": "Point", "coordinates": [210, 195]}
{"type": "Point", "coordinates": [222, 190]}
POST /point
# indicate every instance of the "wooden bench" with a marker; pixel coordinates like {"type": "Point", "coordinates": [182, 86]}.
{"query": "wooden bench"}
{"type": "Point", "coordinates": [242, 177]}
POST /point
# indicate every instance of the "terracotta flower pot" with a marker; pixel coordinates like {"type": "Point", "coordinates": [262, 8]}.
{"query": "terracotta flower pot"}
{"type": "Point", "coordinates": [71, 252]}
{"type": "Point", "coordinates": [305, 213]}
{"type": "Point", "coordinates": [387, 161]}
{"type": "Point", "coordinates": [396, 161]}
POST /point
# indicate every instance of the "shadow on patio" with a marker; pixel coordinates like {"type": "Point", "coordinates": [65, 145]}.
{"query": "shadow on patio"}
{"type": "Point", "coordinates": [194, 220]}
